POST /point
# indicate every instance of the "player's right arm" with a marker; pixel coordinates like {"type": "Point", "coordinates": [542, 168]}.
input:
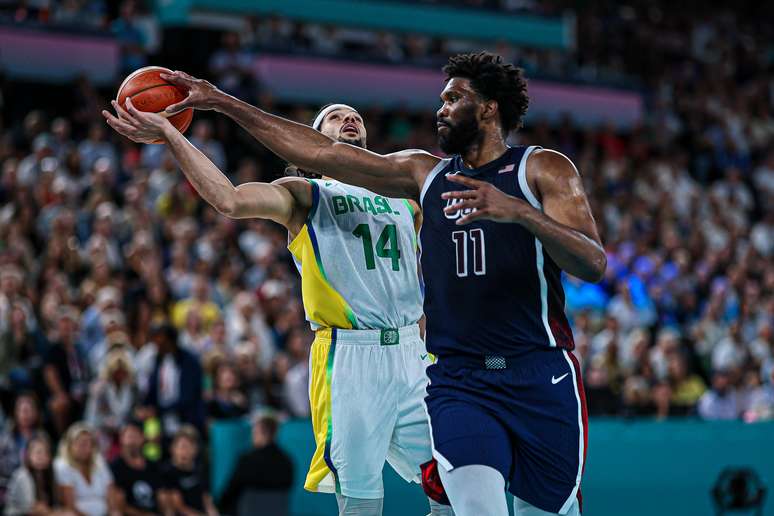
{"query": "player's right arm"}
{"type": "Point", "coordinates": [400, 174]}
{"type": "Point", "coordinates": [286, 201]}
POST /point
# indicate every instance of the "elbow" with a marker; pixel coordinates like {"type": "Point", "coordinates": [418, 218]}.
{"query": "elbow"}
{"type": "Point", "coordinates": [227, 207]}
{"type": "Point", "coordinates": [598, 267]}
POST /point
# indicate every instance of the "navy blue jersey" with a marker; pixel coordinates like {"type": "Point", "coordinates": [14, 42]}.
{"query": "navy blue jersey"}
{"type": "Point", "coordinates": [490, 288]}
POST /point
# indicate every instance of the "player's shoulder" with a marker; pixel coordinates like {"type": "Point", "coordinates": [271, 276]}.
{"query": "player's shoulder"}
{"type": "Point", "coordinates": [299, 187]}
{"type": "Point", "coordinates": [420, 161]}
{"type": "Point", "coordinates": [548, 161]}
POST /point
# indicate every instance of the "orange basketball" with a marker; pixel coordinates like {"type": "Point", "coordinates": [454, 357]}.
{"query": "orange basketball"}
{"type": "Point", "coordinates": [151, 93]}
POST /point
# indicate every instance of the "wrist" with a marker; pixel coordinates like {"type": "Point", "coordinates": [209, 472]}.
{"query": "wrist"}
{"type": "Point", "coordinates": [220, 101]}
{"type": "Point", "coordinates": [517, 210]}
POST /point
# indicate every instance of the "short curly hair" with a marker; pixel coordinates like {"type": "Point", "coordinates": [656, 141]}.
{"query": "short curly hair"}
{"type": "Point", "coordinates": [495, 80]}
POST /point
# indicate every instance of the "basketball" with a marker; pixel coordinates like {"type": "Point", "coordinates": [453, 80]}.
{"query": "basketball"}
{"type": "Point", "coordinates": [150, 93]}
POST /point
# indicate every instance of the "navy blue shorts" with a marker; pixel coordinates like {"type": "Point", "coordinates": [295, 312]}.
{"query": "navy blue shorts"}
{"type": "Point", "coordinates": [528, 421]}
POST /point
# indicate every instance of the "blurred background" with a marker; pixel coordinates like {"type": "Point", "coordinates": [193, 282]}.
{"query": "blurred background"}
{"type": "Point", "coordinates": [115, 277]}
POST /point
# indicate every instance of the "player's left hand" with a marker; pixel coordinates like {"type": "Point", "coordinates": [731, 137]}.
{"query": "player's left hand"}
{"type": "Point", "coordinates": [138, 126]}
{"type": "Point", "coordinates": [487, 201]}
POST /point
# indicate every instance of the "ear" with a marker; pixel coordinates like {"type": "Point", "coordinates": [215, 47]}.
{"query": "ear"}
{"type": "Point", "coordinates": [489, 110]}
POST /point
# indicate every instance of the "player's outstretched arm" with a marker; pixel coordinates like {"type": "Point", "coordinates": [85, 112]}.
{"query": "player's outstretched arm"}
{"type": "Point", "coordinates": [282, 201]}
{"type": "Point", "coordinates": [399, 174]}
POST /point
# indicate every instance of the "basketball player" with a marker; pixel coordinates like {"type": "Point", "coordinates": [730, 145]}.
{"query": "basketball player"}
{"type": "Point", "coordinates": [357, 255]}
{"type": "Point", "coordinates": [505, 399]}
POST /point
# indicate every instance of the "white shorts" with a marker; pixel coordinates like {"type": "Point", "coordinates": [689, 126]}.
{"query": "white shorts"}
{"type": "Point", "coordinates": [366, 389]}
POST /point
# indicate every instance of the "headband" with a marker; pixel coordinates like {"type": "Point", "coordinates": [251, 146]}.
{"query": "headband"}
{"type": "Point", "coordinates": [327, 111]}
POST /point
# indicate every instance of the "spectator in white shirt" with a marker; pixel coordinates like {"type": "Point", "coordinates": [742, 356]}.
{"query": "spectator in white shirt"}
{"type": "Point", "coordinates": [82, 475]}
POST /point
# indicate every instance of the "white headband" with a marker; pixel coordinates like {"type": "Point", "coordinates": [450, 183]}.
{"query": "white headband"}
{"type": "Point", "coordinates": [327, 111]}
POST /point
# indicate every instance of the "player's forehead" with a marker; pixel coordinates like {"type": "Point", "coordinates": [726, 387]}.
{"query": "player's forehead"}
{"type": "Point", "coordinates": [341, 112]}
{"type": "Point", "coordinates": [458, 85]}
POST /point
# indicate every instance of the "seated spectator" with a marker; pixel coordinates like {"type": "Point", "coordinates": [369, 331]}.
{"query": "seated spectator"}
{"type": "Point", "coordinates": [81, 474]}
{"type": "Point", "coordinates": [687, 388]}
{"type": "Point", "coordinates": [31, 490]}
{"type": "Point", "coordinates": [185, 481]}
{"type": "Point", "coordinates": [264, 468]}
{"type": "Point", "coordinates": [137, 481]}
{"type": "Point", "coordinates": [112, 397]}
{"type": "Point", "coordinates": [20, 354]}
{"type": "Point", "coordinates": [228, 401]}
{"type": "Point", "coordinates": [16, 436]}
{"type": "Point", "coordinates": [199, 300]}
{"type": "Point", "coordinates": [721, 401]}
{"type": "Point", "coordinates": [251, 375]}
{"type": "Point", "coordinates": [175, 386]}
{"type": "Point", "coordinates": [760, 402]}
{"type": "Point", "coordinates": [65, 373]}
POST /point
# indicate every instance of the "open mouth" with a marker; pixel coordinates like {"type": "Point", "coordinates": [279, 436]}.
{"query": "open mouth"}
{"type": "Point", "coordinates": [350, 128]}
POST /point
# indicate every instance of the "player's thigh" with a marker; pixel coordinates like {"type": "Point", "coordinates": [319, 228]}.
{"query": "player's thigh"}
{"type": "Point", "coordinates": [363, 418]}
{"type": "Point", "coordinates": [550, 424]}
{"type": "Point", "coordinates": [410, 444]}
{"type": "Point", "coordinates": [464, 433]}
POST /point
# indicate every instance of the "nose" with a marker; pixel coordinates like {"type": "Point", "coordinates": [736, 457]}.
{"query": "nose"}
{"type": "Point", "coordinates": [350, 119]}
{"type": "Point", "coordinates": [442, 112]}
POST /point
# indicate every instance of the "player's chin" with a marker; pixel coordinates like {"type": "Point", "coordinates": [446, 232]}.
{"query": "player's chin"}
{"type": "Point", "coordinates": [356, 141]}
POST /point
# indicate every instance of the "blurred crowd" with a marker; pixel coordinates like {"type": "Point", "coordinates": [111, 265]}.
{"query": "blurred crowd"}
{"type": "Point", "coordinates": [132, 315]}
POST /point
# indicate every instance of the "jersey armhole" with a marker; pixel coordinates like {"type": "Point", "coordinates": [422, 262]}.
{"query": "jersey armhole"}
{"type": "Point", "coordinates": [523, 183]}
{"type": "Point", "coordinates": [431, 177]}
{"type": "Point", "coordinates": [315, 200]}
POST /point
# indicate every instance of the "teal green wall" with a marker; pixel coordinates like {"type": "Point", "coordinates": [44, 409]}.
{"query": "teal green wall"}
{"type": "Point", "coordinates": [394, 16]}
{"type": "Point", "coordinates": [634, 468]}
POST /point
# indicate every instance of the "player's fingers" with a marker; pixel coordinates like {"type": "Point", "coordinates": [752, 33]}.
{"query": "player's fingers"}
{"type": "Point", "coordinates": [136, 113]}
{"type": "Point", "coordinates": [119, 125]}
{"type": "Point", "coordinates": [467, 181]}
{"type": "Point", "coordinates": [176, 108]}
{"type": "Point", "coordinates": [459, 194]}
{"type": "Point", "coordinates": [176, 78]}
{"type": "Point", "coordinates": [123, 114]}
{"type": "Point", "coordinates": [470, 217]}
{"type": "Point", "coordinates": [464, 205]}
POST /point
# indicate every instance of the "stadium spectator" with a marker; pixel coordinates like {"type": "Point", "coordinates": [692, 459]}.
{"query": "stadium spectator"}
{"type": "Point", "coordinates": [199, 300]}
{"type": "Point", "coordinates": [112, 398]}
{"type": "Point", "coordinates": [65, 373]}
{"type": "Point", "coordinates": [130, 37]}
{"type": "Point", "coordinates": [722, 401]}
{"type": "Point", "coordinates": [227, 401]}
{"type": "Point", "coordinates": [175, 385]}
{"type": "Point", "coordinates": [266, 467]}
{"type": "Point", "coordinates": [15, 437]}
{"type": "Point", "coordinates": [32, 490]}
{"type": "Point", "coordinates": [185, 482]}
{"type": "Point", "coordinates": [83, 477]}
{"type": "Point", "coordinates": [137, 480]}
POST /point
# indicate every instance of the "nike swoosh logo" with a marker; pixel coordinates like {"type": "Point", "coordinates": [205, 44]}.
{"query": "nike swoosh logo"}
{"type": "Point", "coordinates": [555, 380]}
{"type": "Point", "coordinates": [422, 357]}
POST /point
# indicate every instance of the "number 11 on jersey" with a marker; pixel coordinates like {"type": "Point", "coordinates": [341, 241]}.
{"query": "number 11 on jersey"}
{"type": "Point", "coordinates": [460, 239]}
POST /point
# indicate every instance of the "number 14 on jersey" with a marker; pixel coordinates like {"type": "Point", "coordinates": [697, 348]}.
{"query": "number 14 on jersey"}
{"type": "Point", "coordinates": [478, 248]}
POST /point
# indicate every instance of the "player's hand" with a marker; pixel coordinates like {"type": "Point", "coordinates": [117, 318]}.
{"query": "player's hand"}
{"type": "Point", "coordinates": [138, 126]}
{"type": "Point", "coordinates": [486, 200]}
{"type": "Point", "coordinates": [201, 93]}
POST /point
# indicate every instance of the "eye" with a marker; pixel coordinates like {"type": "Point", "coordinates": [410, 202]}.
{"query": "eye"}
{"type": "Point", "coordinates": [334, 117]}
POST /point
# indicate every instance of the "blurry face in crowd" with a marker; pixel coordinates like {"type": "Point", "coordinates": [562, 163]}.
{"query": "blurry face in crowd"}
{"type": "Point", "coordinates": [260, 436]}
{"type": "Point", "coordinates": [66, 329]}
{"type": "Point", "coordinates": [26, 412]}
{"type": "Point", "coordinates": [458, 125]}
{"type": "Point", "coordinates": [82, 447]}
{"type": "Point", "coordinates": [345, 125]}
{"type": "Point", "coordinates": [227, 378]}
{"type": "Point", "coordinates": [184, 450]}
{"type": "Point", "coordinates": [132, 440]}
{"type": "Point", "coordinates": [38, 454]}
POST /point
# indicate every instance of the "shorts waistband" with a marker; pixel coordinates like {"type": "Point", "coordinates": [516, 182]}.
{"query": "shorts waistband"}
{"type": "Point", "coordinates": [383, 337]}
{"type": "Point", "coordinates": [499, 362]}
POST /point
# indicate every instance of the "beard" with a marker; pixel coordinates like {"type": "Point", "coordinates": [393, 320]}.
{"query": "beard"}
{"type": "Point", "coordinates": [460, 137]}
{"type": "Point", "coordinates": [357, 142]}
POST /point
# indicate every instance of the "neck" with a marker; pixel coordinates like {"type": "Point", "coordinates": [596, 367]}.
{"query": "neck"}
{"type": "Point", "coordinates": [491, 147]}
{"type": "Point", "coordinates": [182, 465]}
